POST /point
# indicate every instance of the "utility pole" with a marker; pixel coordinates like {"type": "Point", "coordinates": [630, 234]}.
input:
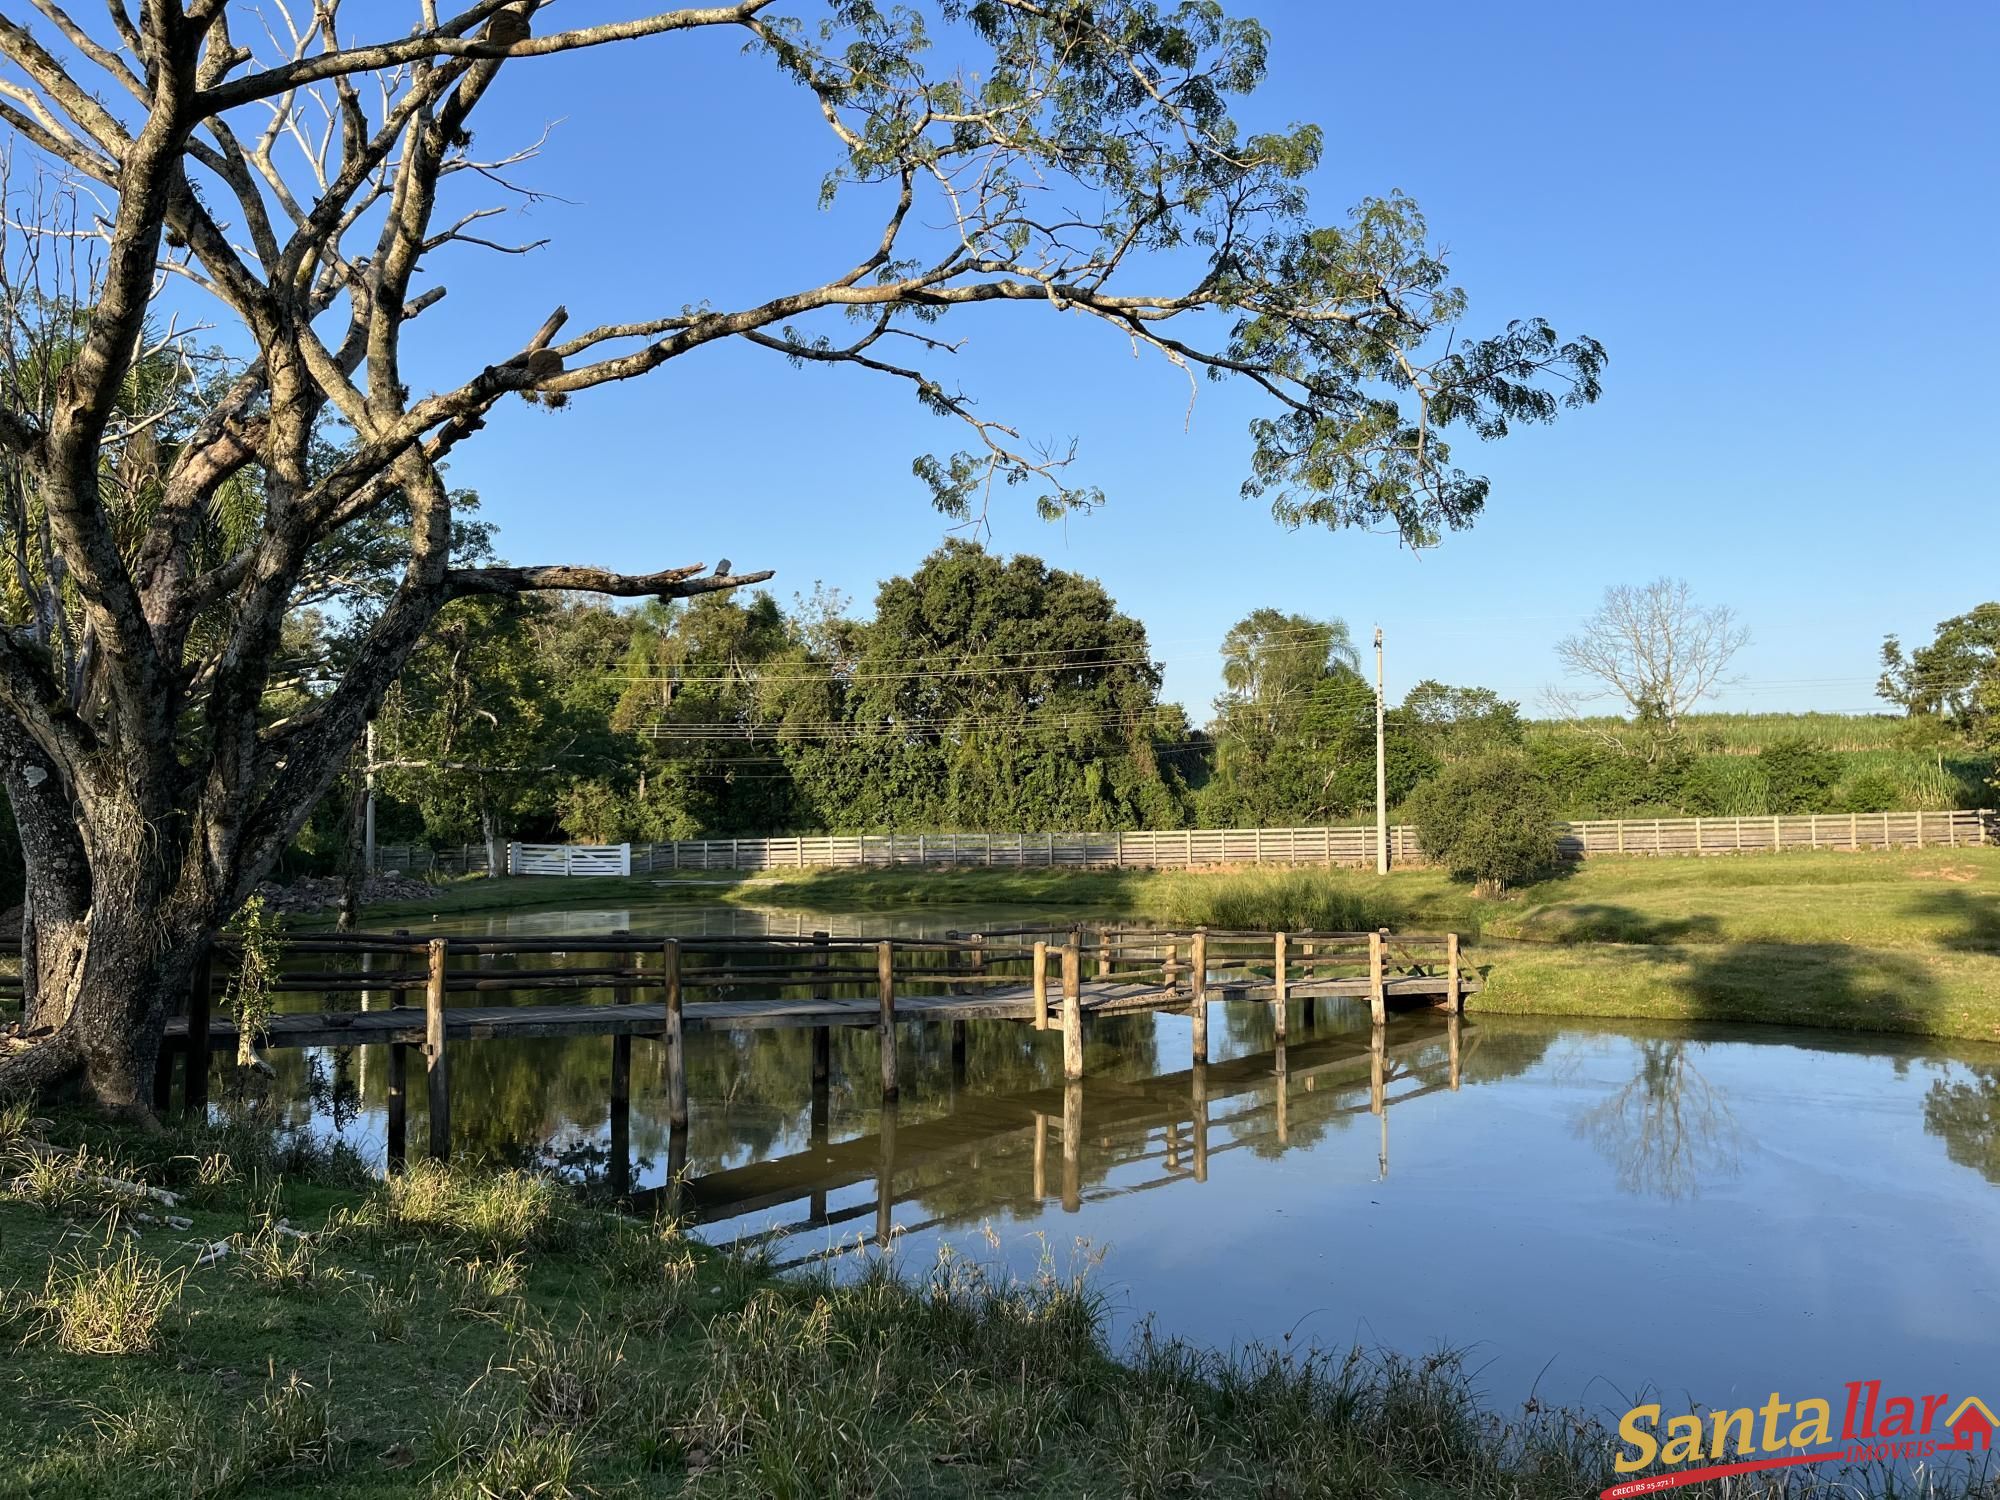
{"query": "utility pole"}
{"type": "Point", "coordinates": [1381, 771]}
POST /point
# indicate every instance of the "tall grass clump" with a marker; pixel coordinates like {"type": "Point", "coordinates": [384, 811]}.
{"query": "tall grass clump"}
{"type": "Point", "coordinates": [115, 1304]}
{"type": "Point", "coordinates": [499, 1213]}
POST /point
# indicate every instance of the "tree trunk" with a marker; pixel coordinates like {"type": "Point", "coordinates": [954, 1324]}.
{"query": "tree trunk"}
{"type": "Point", "coordinates": [104, 974]}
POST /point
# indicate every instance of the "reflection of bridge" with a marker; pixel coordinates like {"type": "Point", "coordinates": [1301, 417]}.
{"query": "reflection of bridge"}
{"type": "Point", "coordinates": [1177, 1106]}
{"type": "Point", "coordinates": [818, 983]}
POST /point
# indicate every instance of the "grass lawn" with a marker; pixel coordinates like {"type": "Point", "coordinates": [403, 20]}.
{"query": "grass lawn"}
{"type": "Point", "coordinates": [1907, 940]}
{"type": "Point", "coordinates": [491, 1337]}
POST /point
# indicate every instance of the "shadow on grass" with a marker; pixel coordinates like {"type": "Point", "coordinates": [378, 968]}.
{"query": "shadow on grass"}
{"type": "Point", "coordinates": [1604, 922]}
{"type": "Point", "coordinates": [1978, 911]}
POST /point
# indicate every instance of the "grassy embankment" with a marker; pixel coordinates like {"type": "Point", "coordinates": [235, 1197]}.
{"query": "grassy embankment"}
{"type": "Point", "coordinates": [490, 1336]}
{"type": "Point", "coordinates": [1904, 941]}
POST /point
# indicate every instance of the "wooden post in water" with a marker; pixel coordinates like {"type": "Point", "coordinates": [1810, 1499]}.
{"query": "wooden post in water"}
{"type": "Point", "coordinates": [1281, 990]}
{"type": "Point", "coordinates": [1377, 1072]}
{"type": "Point", "coordinates": [1451, 973]}
{"type": "Point", "coordinates": [1198, 980]}
{"type": "Point", "coordinates": [672, 1037]}
{"type": "Point", "coordinates": [1378, 1002]}
{"type": "Point", "coordinates": [885, 1025]}
{"type": "Point", "coordinates": [822, 1066]}
{"type": "Point", "coordinates": [1041, 986]}
{"type": "Point", "coordinates": [1072, 1144]}
{"type": "Point", "coordinates": [194, 1073]}
{"type": "Point", "coordinates": [1072, 987]}
{"type": "Point", "coordinates": [1283, 1075]}
{"type": "Point", "coordinates": [437, 1079]}
{"type": "Point", "coordinates": [1309, 1007]}
{"type": "Point", "coordinates": [620, 1164]}
{"type": "Point", "coordinates": [397, 1126]}
{"type": "Point", "coordinates": [1451, 1029]}
{"type": "Point", "coordinates": [1041, 1156]}
{"type": "Point", "coordinates": [1199, 1086]}
{"type": "Point", "coordinates": [885, 1175]}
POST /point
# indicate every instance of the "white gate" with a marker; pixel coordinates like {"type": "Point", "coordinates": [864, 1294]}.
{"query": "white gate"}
{"type": "Point", "coordinates": [569, 859]}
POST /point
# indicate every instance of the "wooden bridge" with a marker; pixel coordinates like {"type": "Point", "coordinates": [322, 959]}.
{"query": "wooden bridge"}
{"type": "Point", "coordinates": [1030, 976]}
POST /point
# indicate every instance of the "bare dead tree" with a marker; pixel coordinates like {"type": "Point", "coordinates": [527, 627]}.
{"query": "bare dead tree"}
{"type": "Point", "coordinates": [291, 177]}
{"type": "Point", "coordinates": [1652, 653]}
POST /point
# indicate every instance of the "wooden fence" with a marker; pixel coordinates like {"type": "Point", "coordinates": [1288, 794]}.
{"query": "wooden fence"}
{"type": "Point", "coordinates": [1177, 849]}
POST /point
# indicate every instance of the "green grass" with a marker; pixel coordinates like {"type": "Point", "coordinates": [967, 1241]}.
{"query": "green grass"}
{"type": "Point", "coordinates": [1906, 940]}
{"type": "Point", "coordinates": [355, 1343]}
{"type": "Point", "coordinates": [477, 893]}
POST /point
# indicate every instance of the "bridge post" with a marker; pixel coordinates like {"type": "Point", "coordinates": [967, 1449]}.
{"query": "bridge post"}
{"type": "Point", "coordinates": [1072, 986]}
{"type": "Point", "coordinates": [672, 1036]}
{"type": "Point", "coordinates": [1451, 973]}
{"type": "Point", "coordinates": [1283, 1076]}
{"type": "Point", "coordinates": [1378, 1003]}
{"type": "Point", "coordinates": [1172, 964]}
{"type": "Point", "coordinates": [397, 1131]}
{"type": "Point", "coordinates": [1198, 981]}
{"type": "Point", "coordinates": [436, 1076]}
{"type": "Point", "coordinates": [1451, 1029]}
{"type": "Point", "coordinates": [885, 1175]}
{"type": "Point", "coordinates": [1072, 1146]}
{"type": "Point", "coordinates": [1309, 1007]}
{"type": "Point", "coordinates": [1104, 952]}
{"type": "Point", "coordinates": [1041, 986]}
{"type": "Point", "coordinates": [1378, 1061]}
{"type": "Point", "coordinates": [885, 1025]}
{"type": "Point", "coordinates": [620, 1165]}
{"type": "Point", "coordinates": [1198, 1105]}
{"type": "Point", "coordinates": [822, 1066]}
{"type": "Point", "coordinates": [1280, 986]}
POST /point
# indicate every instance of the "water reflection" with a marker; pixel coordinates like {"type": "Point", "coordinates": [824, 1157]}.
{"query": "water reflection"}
{"type": "Point", "coordinates": [1532, 1187]}
{"type": "Point", "coordinates": [1669, 1130]}
{"type": "Point", "coordinates": [1077, 1142]}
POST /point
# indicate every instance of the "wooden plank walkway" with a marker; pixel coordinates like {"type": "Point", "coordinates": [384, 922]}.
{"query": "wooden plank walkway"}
{"type": "Point", "coordinates": [406, 1024]}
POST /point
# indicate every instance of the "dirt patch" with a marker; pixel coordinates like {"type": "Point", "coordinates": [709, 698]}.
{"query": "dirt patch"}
{"type": "Point", "coordinates": [1956, 874]}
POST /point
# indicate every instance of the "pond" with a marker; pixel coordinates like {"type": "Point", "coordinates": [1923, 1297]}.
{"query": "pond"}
{"type": "Point", "coordinates": [1589, 1209]}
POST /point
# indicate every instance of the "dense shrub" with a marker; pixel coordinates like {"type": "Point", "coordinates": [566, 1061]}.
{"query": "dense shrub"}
{"type": "Point", "coordinates": [1798, 776]}
{"type": "Point", "coordinates": [1720, 786]}
{"type": "Point", "coordinates": [1871, 791]}
{"type": "Point", "coordinates": [1490, 819]}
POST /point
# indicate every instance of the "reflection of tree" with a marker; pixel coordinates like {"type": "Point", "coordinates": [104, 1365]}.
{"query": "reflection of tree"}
{"type": "Point", "coordinates": [1668, 1128]}
{"type": "Point", "coordinates": [1965, 1113]}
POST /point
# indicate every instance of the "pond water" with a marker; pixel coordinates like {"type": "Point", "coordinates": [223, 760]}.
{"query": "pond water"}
{"type": "Point", "coordinates": [1590, 1209]}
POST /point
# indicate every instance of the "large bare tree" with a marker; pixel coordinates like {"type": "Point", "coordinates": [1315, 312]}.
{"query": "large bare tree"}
{"type": "Point", "coordinates": [281, 169]}
{"type": "Point", "coordinates": [1652, 652]}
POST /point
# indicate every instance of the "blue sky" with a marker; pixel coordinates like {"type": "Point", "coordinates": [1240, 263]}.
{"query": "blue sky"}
{"type": "Point", "coordinates": [1778, 218]}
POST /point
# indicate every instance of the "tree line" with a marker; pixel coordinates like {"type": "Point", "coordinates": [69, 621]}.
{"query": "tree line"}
{"type": "Point", "coordinates": [985, 692]}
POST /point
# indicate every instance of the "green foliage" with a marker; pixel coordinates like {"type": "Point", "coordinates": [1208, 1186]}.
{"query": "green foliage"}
{"type": "Point", "coordinates": [1955, 678]}
{"type": "Point", "coordinates": [1798, 776]}
{"type": "Point", "coordinates": [1871, 791]}
{"type": "Point", "coordinates": [1490, 820]}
